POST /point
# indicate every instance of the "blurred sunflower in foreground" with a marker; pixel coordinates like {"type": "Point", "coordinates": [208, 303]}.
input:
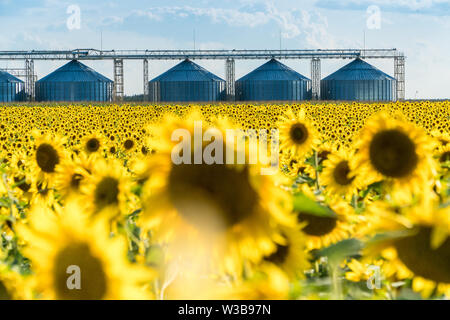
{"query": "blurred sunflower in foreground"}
{"type": "Point", "coordinates": [415, 244]}
{"type": "Point", "coordinates": [229, 210]}
{"type": "Point", "coordinates": [65, 243]}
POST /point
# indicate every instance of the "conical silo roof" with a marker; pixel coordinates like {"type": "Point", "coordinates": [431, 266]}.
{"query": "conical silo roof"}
{"type": "Point", "coordinates": [273, 70]}
{"type": "Point", "coordinates": [75, 71]}
{"type": "Point", "coordinates": [5, 77]}
{"type": "Point", "coordinates": [358, 69]}
{"type": "Point", "coordinates": [187, 71]}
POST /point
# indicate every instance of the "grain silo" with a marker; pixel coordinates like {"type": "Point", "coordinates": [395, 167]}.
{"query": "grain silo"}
{"type": "Point", "coordinates": [186, 82]}
{"type": "Point", "coordinates": [273, 81]}
{"type": "Point", "coordinates": [358, 81]}
{"type": "Point", "coordinates": [74, 82]}
{"type": "Point", "coordinates": [11, 88]}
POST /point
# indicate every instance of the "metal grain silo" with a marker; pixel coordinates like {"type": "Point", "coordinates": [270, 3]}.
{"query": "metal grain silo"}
{"type": "Point", "coordinates": [186, 82]}
{"type": "Point", "coordinates": [11, 88]}
{"type": "Point", "coordinates": [273, 81]}
{"type": "Point", "coordinates": [74, 82]}
{"type": "Point", "coordinates": [358, 81]}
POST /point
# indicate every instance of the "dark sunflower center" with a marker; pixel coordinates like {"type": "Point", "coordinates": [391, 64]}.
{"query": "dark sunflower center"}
{"type": "Point", "coordinates": [299, 133]}
{"type": "Point", "coordinates": [76, 180]}
{"type": "Point", "coordinates": [107, 192]}
{"type": "Point", "coordinates": [393, 153]}
{"type": "Point", "coordinates": [47, 157]}
{"type": "Point", "coordinates": [317, 226]}
{"type": "Point", "coordinates": [415, 252]}
{"type": "Point", "coordinates": [341, 172]}
{"type": "Point", "coordinates": [227, 190]}
{"type": "Point", "coordinates": [128, 144]}
{"type": "Point", "coordinates": [445, 157]}
{"type": "Point", "coordinates": [93, 280]}
{"type": "Point", "coordinates": [92, 145]}
{"type": "Point", "coordinates": [280, 255]}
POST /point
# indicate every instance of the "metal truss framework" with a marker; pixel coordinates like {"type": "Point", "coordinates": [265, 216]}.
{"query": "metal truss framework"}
{"type": "Point", "coordinates": [315, 78]}
{"type": "Point", "coordinates": [230, 79]}
{"type": "Point", "coordinates": [228, 55]}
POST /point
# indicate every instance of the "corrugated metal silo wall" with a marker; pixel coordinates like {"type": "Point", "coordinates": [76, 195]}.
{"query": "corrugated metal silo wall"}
{"type": "Point", "coordinates": [358, 90]}
{"type": "Point", "coordinates": [11, 91]}
{"type": "Point", "coordinates": [74, 91]}
{"type": "Point", "coordinates": [186, 91]}
{"type": "Point", "coordinates": [273, 90]}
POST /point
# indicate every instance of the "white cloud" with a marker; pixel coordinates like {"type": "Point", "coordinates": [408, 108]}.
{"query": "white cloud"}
{"type": "Point", "coordinates": [310, 25]}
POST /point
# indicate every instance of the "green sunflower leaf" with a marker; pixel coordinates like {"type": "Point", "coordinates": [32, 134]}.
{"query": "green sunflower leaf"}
{"type": "Point", "coordinates": [341, 250]}
{"type": "Point", "coordinates": [303, 203]}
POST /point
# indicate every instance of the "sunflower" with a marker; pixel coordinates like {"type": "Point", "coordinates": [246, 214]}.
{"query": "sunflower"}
{"type": "Point", "coordinates": [297, 135]}
{"type": "Point", "coordinates": [129, 145]}
{"type": "Point", "coordinates": [107, 187]}
{"type": "Point", "coordinates": [291, 166]}
{"type": "Point", "coordinates": [93, 143]}
{"type": "Point", "coordinates": [71, 176]}
{"type": "Point", "coordinates": [395, 151]}
{"type": "Point", "coordinates": [230, 210]}
{"type": "Point", "coordinates": [290, 254]}
{"type": "Point", "coordinates": [18, 168]}
{"type": "Point", "coordinates": [18, 160]}
{"type": "Point", "coordinates": [63, 245]}
{"type": "Point", "coordinates": [325, 149]}
{"type": "Point", "coordinates": [49, 153]}
{"type": "Point", "coordinates": [340, 175]}
{"type": "Point", "coordinates": [419, 249]}
{"type": "Point", "coordinates": [42, 194]}
{"type": "Point", "coordinates": [324, 230]}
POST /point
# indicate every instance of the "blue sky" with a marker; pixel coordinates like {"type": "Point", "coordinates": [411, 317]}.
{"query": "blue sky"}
{"type": "Point", "coordinates": [419, 28]}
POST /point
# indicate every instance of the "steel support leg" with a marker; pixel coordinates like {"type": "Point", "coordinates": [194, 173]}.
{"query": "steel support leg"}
{"type": "Point", "coordinates": [118, 80]}
{"type": "Point", "coordinates": [146, 86]}
{"type": "Point", "coordinates": [29, 79]}
{"type": "Point", "coordinates": [399, 74]}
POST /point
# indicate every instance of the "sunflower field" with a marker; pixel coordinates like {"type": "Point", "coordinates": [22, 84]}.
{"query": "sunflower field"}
{"type": "Point", "coordinates": [93, 206]}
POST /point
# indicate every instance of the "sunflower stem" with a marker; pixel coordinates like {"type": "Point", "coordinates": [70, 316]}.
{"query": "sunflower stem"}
{"type": "Point", "coordinates": [316, 168]}
{"type": "Point", "coordinates": [11, 197]}
{"type": "Point", "coordinates": [337, 288]}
